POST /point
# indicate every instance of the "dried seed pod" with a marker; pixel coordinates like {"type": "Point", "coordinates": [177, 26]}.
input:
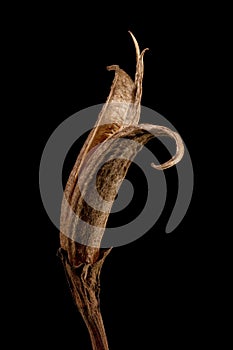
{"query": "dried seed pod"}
{"type": "Point", "coordinates": [101, 166]}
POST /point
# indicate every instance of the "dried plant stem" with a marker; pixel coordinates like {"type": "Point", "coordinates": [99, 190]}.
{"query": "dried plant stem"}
{"type": "Point", "coordinates": [84, 283]}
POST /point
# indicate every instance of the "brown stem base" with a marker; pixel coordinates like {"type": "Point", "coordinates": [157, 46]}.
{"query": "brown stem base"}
{"type": "Point", "coordinates": [84, 282]}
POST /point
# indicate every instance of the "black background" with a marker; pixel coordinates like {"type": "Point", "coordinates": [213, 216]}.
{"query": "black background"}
{"type": "Point", "coordinates": [156, 289]}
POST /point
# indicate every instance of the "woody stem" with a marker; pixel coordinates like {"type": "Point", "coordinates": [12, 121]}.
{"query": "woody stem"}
{"type": "Point", "coordinates": [84, 282]}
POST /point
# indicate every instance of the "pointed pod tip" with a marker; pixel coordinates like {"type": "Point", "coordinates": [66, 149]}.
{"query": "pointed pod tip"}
{"type": "Point", "coordinates": [146, 49]}
{"type": "Point", "coordinates": [157, 167]}
{"type": "Point", "coordinates": [138, 53]}
{"type": "Point", "coordinates": [129, 31]}
{"type": "Point", "coordinates": [135, 44]}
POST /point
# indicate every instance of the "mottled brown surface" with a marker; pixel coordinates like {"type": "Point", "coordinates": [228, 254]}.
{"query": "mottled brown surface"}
{"type": "Point", "coordinates": [118, 120]}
